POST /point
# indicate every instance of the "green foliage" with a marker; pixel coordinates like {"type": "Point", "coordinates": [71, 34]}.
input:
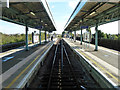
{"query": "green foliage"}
{"type": "Point", "coordinates": [89, 29]}
{"type": "Point", "coordinates": [63, 33]}
{"type": "Point", "coordinates": [102, 35]}
{"type": "Point", "coordinates": [118, 37]}
{"type": "Point", "coordinates": [115, 37]}
{"type": "Point", "coordinates": [105, 36]}
{"type": "Point", "coordinates": [6, 39]}
{"type": "Point", "coordinates": [12, 38]}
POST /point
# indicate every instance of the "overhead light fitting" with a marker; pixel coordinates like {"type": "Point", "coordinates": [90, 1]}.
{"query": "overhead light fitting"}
{"type": "Point", "coordinates": [41, 21]}
{"type": "Point", "coordinates": [76, 24]}
{"type": "Point", "coordinates": [8, 3]}
{"type": "Point", "coordinates": [107, 19]}
{"type": "Point", "coordinates": [46, 24]}
{"type": "Point", "coordinates": [92, 13]}
{"type": "Point", "coordinates": [80, 20]}
{"type": "Point", "coordinates": [32, 13]}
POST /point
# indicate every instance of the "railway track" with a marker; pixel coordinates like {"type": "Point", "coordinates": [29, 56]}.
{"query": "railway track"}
{"type": "Point", "coordinates": [63, 72]}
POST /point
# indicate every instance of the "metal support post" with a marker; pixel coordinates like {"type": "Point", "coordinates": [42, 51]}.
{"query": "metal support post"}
{"type": "Point", "coordinates": [48, 37]}
{"type": "Point", "coordinates": [27, 38]}
{"type": "Point", "coordinates": [45, 37]}
{"type": "Point", "coordinates": [40, 36]}
{"type": "Point", "coordinates": [32, 37]}
{"type": "Point", "coordinates": [96, 37]}
{"type": "Point", "coordinates": [81, 33]}
{"type": "Point", "coordinates": [74, 36]}
{"type": "Point", "coordinates": [81, 36]}
{"type": "Point", "coordinates": [71, 35]}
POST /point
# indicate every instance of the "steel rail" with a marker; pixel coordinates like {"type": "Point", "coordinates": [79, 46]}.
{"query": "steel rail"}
{"type": "Point", "coordinates": [79, 85]}
{"type": "Point", "coordinates": [49, 82]}
{"type": "Point", "coordinates": [62, 56]}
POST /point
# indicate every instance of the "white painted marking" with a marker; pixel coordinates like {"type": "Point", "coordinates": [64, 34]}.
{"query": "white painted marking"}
{"type": "Point", "coordinates": [106, 55]}
{"type": "Point", "coordinates": [7, 58]}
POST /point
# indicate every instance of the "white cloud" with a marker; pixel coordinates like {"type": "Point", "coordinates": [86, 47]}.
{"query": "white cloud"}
{"type": "Point", "coordinates": [73, 3]}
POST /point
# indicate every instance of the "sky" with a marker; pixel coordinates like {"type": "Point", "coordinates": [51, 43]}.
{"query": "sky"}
{"type": "Point", "coordinates": [61, 11]}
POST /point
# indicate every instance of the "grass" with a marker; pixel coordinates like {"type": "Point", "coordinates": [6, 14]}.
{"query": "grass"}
{"type": "Point", "coordinates": [13, 38]}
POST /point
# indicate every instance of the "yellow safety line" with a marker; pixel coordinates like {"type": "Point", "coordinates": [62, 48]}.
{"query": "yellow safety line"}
{"type": "Point", "coordinates": [99, 66]}
{"type": "Point", "coordinates": [12, 82]}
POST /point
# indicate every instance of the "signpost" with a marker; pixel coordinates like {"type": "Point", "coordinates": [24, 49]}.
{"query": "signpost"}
{"type": "Point", "coordinates": [87, 37]}
{"type": "Point", "coordinates": [39, 27]}
{"type": "Point", "coordinates": [35, 37]}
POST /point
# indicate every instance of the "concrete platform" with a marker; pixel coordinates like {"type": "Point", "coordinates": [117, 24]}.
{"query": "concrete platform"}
{"type": "Point", "coordinates": [3, 54]}
{"type": "Point", "coordinates": [15, 70]}
{"type": "Point", "coordinates": [105, 60]}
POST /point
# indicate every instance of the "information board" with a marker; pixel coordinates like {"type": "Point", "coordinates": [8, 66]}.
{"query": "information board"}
{"type": "Point", "coordinates": [87, 36]}
{"type": "Point", "coordinates": [36, 38]}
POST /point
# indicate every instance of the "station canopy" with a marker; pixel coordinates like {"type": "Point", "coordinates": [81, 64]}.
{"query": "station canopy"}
{"type": "Point", "coordinates": [87, 14]}
{"type": "Point", "coordinates": [35, 13]}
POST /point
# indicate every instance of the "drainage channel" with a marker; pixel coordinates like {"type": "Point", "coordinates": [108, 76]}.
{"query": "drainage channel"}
{"type": "Point", "coordinates": [61, 71]}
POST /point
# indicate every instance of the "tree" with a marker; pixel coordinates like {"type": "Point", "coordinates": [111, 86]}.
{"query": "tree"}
{"type": "Point", "coordinates": [100, 34]}
{"type": "Point", "coordinates": [89, 29]}
{"type": "Point", "coordinates": [105, 36]}
{"type": "Point", "coordinates": [63, 33]}
{"type": "Point", "coordinates": [115, 37]}
{"type": "Point", "coordinates": [118, 36]}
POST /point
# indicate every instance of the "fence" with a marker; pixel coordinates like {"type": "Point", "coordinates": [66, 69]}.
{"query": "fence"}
{"type": "Point", "coordinates": [108, 43]}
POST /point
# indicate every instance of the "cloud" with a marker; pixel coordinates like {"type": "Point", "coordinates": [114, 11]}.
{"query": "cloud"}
{"type": "Point", "coordinates": [73, 3]}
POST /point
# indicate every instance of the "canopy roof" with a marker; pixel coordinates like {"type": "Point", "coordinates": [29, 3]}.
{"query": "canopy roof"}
{"type": "Point", "coordinates": [89, 13]}
{"type": "Point", "coordinates": [34, 14]}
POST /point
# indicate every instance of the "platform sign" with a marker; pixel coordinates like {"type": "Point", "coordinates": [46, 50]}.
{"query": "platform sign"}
{"type": "Point", "coordinates": [87, 36]}
{"type": "Point", "coordinates": [36, 38]}
{"type": "Point", "coordinates": [84, 27]}
{"type": "Point", "coordinates": [39, 27]}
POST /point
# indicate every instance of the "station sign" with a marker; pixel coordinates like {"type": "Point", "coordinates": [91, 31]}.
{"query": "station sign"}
{"type": "Point", "coordinates": [84, 27]}
{"type": "Point", "coordinates": [39, 27]}
{"type": "Point", "coordinates": [36, 38]}
{"type": "Point", "coordinates": [87, 36]}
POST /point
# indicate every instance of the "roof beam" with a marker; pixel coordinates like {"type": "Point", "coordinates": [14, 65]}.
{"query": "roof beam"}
{"type": "Point", "coordinates": [112, 3]}
{"type": "Point", "coordinates": [14, 3]}
{"type": "Point", "coordinates": [29, 13]}
{"type": "Point", "coordinates": [94, 8]}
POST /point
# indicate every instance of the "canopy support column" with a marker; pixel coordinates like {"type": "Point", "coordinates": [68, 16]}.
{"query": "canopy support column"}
{"type": "Point", "coordinates": [74, 36]}
{"type": "Point", "coordinates": [40, 36]}
{"type": "Point", "coordinates": [81, 36]}
{"type": "Point", "coordinates": [96, 37]}
{"type": "Point", "coordinates": [71, 35]}
{"type": "Point", "coordinates": [45, 37]}
{"type": "Point", "coordinates": [26, 30]}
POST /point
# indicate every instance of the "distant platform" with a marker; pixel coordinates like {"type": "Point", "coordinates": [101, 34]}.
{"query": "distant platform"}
{"type": "Point", "coordinates": [105, 60]}
{"type": "Point", "coordinates": [3, 54]}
